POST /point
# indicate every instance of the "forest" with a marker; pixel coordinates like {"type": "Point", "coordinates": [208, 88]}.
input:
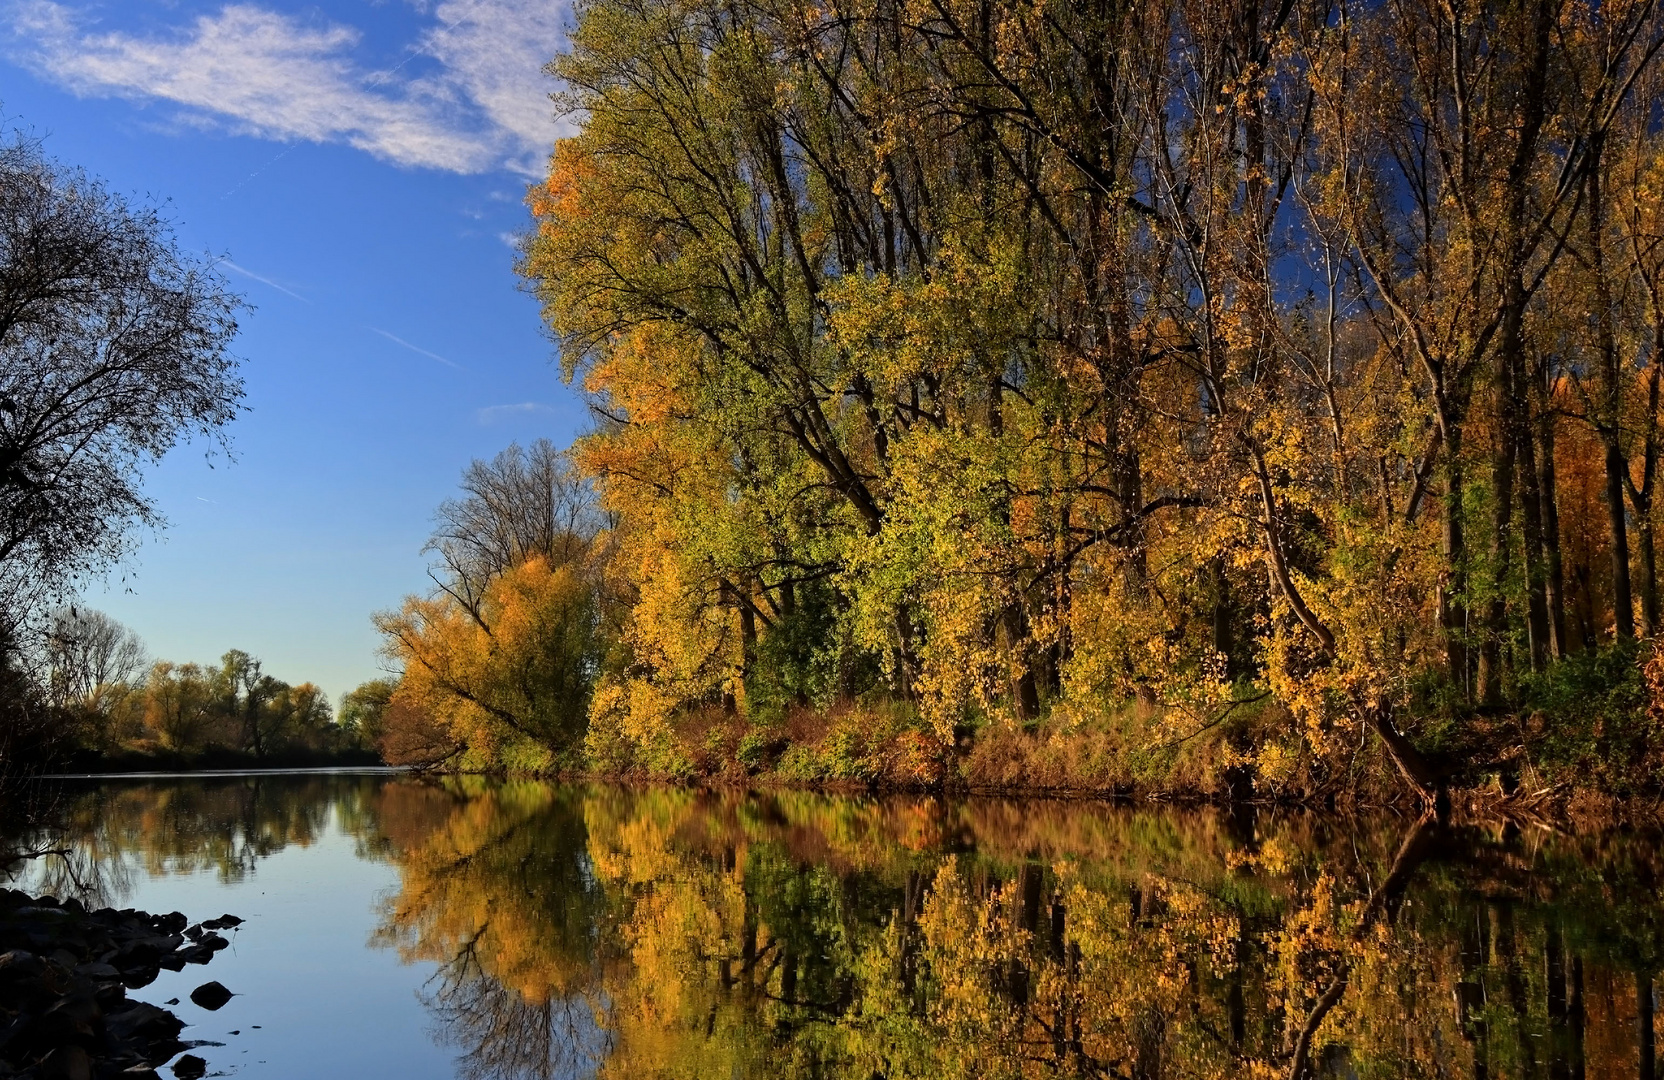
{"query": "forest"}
{"type": "Point", "coordinates": [1252, 398]}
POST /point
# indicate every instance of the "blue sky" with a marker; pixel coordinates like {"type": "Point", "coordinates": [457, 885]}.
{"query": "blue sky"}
{"type": "Point", "coordinates": [362, 166]}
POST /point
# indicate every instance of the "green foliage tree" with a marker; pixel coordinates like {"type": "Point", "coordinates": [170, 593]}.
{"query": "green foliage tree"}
{"type": "Point", "coordinates": [363, 710]}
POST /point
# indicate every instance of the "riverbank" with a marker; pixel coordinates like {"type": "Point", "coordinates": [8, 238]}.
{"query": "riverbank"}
{"type": "Point", "coordinates": [216, 759]}
{"type": "Point", "coordinates": [1588, 730]}
{"type": "Point", "coordinates": [64, 976]}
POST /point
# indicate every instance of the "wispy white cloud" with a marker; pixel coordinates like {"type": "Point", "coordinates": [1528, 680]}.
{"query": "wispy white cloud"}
{"type": "Point", "coordinates": [395, 339]}
{"type": "Point", "coordinates": [495, 51]}
{"type": "Point", "coordinates": [491, 414]}
{"type": "Point", "coordinates": [469, 96]}
{"type": "Point", "coordinates": [252, 276]}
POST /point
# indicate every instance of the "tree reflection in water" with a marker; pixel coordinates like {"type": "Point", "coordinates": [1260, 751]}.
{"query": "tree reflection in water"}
{"type": "Point", "coordinates": [497, 890]}
{"type": "Point", "coordinates": [636, 933]}
{"type": "Point", "coordinates": [116, 828]}
{"type": "Point", "coordinates": [657, 933]}
{"type": "Point", "coordinates": [505, 1034]}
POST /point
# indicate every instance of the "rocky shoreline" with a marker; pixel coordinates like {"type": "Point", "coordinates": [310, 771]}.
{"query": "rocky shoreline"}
{"type": "Point", "coordinates": [64, 976]}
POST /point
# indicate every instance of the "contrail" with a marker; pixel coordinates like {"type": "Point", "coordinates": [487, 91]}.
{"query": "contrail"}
{"type": "Point", "coordinates": [228, 264]}
{"type": "Point", "coordinates": [417, 348]}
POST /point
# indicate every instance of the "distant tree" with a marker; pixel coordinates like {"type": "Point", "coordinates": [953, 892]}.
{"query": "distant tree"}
{"type": "Point", "coordinates": [301, 716]}
{"type": "Point", "coordinates": [93, 663]}
{"type": "Point", "coordinates": [247, 693]}
{"type": "Point", "coordinates": [364, 710]}
{"type": "Point", "coordinates": [113, 348]}
{"type": "Point", "coordinates": [179, 704]}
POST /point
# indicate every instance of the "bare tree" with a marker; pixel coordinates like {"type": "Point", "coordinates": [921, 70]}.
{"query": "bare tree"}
{"type": "Point", "coordinates": [87, 651]}
{"type": "Point", "coordinates": [113, 349]}
{"type": "Point", "coordinates": [521, 503]}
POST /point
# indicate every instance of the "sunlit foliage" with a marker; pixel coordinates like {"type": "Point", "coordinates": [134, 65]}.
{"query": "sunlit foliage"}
{"type": "Point", "coordinates": [1095, 372]}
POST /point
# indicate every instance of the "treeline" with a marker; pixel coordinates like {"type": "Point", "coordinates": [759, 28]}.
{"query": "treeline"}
{"type": "Point", "coordinates": [111, 701]}
{"type": "Point", "coordinates": [1251, 394]}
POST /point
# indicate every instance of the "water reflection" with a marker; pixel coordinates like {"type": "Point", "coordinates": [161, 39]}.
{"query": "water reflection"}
{"type": "Point", "coordinates": [220, 824]}
{"type": "Point", "coordinates": [595, 931]}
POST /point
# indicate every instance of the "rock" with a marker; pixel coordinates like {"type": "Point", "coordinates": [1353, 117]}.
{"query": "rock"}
{"type": "Point", "coordinates": [142, 1020]}
{"type": "Point", "coordinates": [190, 1067]}
{"type": "Point", "coordinates": [41, 912]}
{"type": "Point", "coordinates": [143, 952]}
{"type": "Point", "coordinates": [18, 964]}
{"type": "Point", "coordinates": [135, 978]}
{"type": "Point", "coordinates": [79, 1011]}
{"type": "Point", "coordinates": [224, 922]}
{"type": "Point", "coordinates": [64, 975]}
{"type": "Point", "coordinates": [211, 996]}
{"type": "Point", "coordinates": [66, 1063]}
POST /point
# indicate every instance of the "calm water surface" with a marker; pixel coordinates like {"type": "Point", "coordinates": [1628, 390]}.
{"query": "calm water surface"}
{"type": "Point", "coordinates": [476, 929]}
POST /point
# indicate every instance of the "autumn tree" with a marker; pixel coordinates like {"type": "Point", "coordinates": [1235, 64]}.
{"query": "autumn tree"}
{"type": "Point", "coordinates": [1049, 363]}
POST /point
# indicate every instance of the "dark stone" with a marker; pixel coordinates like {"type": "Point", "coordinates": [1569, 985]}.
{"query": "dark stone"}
{"type": "Point", "coordinates": [143, 952]}
{"type": "Point", "coordinates": [211, 996]}
{"type": "Point", "coordinates": [66, 1063]}
{"type": "Point", "coordinates": [134, 978]}
{"type": "Point", "coordinates": [20, 964]}
{"type": "Point", "coordinates": [190, 1067]}
{"type": "Point", "coordinates": [224, 922]}
{"type": "Point", "coordinates": [64, 975]}
{"type": "Point", "coordinates": [143, 1020]}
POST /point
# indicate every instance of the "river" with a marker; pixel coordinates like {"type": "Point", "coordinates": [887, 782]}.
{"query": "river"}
{"type": "Point", "coordinates": [484, 929]}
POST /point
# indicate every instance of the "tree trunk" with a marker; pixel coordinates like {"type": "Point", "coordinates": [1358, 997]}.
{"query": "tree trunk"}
{"type": "Point", "coordinates": [1646, 1051]}
{"type": "Point", "coordinates": [1489, 689]}
{"type": "Point", "coordinates": [1555, 590]}
{"type": "Point", "coordinates": [1640, 494]}
{"type": "Point", "coordinates": [1019, 650]}
{"type": "Point", "coordinates": [1222, 642]}
{"type": "Point", "coordinates": [1623, 603]}
{"type": "Point", "coordinates": [1531, 521]}
{"type": "Point", "coordinates": [1609, 419]}
{"type": "Point", "coordinates": [1412, 766]}
{"type": "Point", "coordinates": [1647, 565]}
{"type": "Point", "coordinates": [1453, 612]}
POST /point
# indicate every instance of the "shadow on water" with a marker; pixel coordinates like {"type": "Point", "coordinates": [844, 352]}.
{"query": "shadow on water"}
{"type": "Point", "coordinates": [577, 931]}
